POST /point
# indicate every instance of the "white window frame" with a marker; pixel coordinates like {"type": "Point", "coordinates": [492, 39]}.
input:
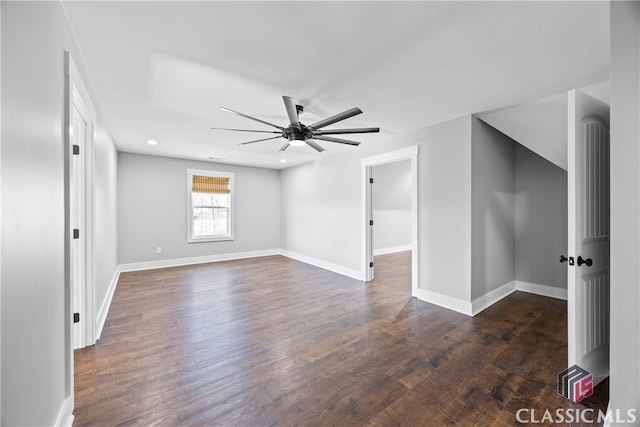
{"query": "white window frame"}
{"type": "Point", "coordinates": [204, 172]}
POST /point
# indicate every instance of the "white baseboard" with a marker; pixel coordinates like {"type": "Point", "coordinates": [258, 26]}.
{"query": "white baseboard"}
{"type": "Point", "coordinates": [106, 304]}
{"type": "Point", "coordinates": [544, 290]}
{"type": "Point", "coordinates": [345, 271]}
{"type": "Point", "coordinates": [392, 250]}
{"type": "Point", "coordinates": [176, 262]}
{"type": "Point", "coordinates": [444, 301]}
{"type": "Point", "coordinates": [65, 414]}
{"type": "Point", "coordinates": [490, 298]}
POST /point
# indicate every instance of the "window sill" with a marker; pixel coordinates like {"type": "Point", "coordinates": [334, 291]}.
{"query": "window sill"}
{"type": "Point", "coordinates": [210, 239]}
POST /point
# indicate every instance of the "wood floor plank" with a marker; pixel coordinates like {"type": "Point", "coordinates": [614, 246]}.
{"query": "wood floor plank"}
{"type": "Point", "coordinates": [272, 341]}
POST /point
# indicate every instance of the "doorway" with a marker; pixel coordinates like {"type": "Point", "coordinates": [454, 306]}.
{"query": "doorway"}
{"type": "Point", "coordinates": [391, 207]}
{"type": "Point", "coordinates": [409, 154]}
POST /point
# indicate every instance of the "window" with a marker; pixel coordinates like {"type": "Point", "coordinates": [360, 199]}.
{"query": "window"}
{"type": "Point", "coordinates": [210, 206]}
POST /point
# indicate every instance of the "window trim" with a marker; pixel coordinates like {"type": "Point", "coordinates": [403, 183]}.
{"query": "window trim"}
{"type": "Point", "coordinates": [205, 172]}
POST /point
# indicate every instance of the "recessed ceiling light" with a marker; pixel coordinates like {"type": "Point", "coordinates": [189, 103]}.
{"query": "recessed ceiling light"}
{"type": "Point", "coordinates": [283, 160]}
{"type": "Point", "coordinates": [152, 142]}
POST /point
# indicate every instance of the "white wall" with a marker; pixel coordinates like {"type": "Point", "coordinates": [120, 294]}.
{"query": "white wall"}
{"type": "Point", "coordinates": [493, 243]}
{"type": "Point", "coordinates": [624, 391]}
{"type": "Point", "coordinates": [391, 202]}
{"type": "Point", "coordinates": [34, 316]}
{"type": "Point", "coordinates": [152, 209]}
{"type": "Point", "coordinates": [541, 223]}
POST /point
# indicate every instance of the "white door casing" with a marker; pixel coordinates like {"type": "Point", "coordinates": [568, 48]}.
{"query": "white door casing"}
{"type": "Point", "coordinates": [82, 116]}
{"type": "Point", "coordinates": [81, 129]}
{"type": "Point", "coordinates": [588, 235]}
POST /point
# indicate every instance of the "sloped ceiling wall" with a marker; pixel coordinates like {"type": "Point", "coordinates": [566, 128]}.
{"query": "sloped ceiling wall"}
{"type": "Point", "coordinates": [541, 125]}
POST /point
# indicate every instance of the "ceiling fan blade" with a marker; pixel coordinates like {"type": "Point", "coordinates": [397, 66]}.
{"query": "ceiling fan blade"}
{"type": "Point", "coordinates": [292, 111]}
{"type": "Point", "coordinates": [315, 146]}
{"type": "Point", "coordinates": [251, 118]}
{"type": "Point", "coordinates": [333, 119]}
{"type": "Point", "coordinates": [258, 140]}
{"type": "Point", "coordinates": [248, 130]}
{"type": "Point", "coordinates": [339, 131]}
{"type": "Point", "coordinates": [338, 140]}
{"type": "Point", "coordinates": [285, 146]}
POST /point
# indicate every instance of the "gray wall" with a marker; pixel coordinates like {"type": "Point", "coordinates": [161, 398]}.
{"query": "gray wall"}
{"type": "Point", "coordinates": [391, 202]}
{"type": "Point", "coordinates": [34, 38]}
{"type": "Point", "coordinates": [152, 209]}
{"type": "Point", "coordinates": [468, 214]}
{"type": "Point", "coordinates": [519, 214]}
{"type": "Point", "coordinates": [625, 208]}
{"type": "Point", "coordinates": [105, 214]}
{"type": "Point", "coordinates": [493, 243]}
{"type": "Point", "coordinates": [0, 220]}
{"type": "Point", "coordinates": [321, 206]}
{"type": "Point", "coordinates": [445, 209]}
{"type": "Point", "coordinates": [541, 220]}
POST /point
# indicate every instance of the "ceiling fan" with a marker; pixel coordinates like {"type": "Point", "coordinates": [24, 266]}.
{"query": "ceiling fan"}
{"type": "Point", "coordinates": [299, 134]}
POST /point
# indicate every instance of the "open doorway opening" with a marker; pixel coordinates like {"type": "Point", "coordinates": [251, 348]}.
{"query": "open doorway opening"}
{"type": "Point", "coordinates": [385, 238]}
{"type": "Point", "coordinates": [562, 216]}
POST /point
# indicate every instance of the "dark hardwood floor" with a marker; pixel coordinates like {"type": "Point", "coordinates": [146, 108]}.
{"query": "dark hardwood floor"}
{"type": "Point", "coordinates": [272, 341]}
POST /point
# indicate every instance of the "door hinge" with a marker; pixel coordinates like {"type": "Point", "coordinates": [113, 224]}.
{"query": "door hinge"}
{"type": "Point", "coordinates": [371, 265]}
{"type": "Point", "coordinates": [76, 233]}
{"type": "Point", "coordinates": [76, 149]}
{"type": "Point", "coordinates": [370, 180]}
{"type": "Point", "coordinates": [76, 317]}
{"type": "Point", "coordinates": [371, 222]}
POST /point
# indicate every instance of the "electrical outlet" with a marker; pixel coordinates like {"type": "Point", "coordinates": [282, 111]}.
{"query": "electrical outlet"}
{"type": "Point", "coordinates": [159, 250]}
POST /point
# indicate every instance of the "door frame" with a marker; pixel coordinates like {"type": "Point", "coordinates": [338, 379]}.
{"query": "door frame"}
{"type": "Point", "coordinates": [367, 163]}
{"type": "Point", "coordinates": [76, 93]}
{"type": "Point", "coordinates": [82, 177]}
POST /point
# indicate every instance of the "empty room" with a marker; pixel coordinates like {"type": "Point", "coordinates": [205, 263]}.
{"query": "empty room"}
{"type": "Point", "coordinates": [230, 213]}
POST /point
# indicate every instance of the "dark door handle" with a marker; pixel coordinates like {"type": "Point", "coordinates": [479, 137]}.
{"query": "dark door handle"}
{"type": "Point", "coordinates": [587, 261]}
{"type": "Point", "coordinates": [565, 259]}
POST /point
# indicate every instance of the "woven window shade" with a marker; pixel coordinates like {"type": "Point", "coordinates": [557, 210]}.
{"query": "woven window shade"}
{"type": "Point", "coordinates": [210, 184]}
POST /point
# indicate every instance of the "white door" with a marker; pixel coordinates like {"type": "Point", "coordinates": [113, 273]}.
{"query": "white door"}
{"type": "Point", "coordinates": [80, 130]}
{"type": "Point", "coordinates": [370, 271]}
{"type": "Point", "coordinates": [588, 277]}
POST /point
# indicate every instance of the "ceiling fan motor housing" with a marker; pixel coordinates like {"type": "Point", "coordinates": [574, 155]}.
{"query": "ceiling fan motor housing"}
{"type": "Point", "coordinates": [294, 134]}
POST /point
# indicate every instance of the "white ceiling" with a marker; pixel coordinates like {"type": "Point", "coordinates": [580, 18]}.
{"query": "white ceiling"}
{"type": "Point", "coordinates": [161, 70]}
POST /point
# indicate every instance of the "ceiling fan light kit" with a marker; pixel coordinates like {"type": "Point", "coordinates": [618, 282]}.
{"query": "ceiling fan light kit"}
{"type": "Point", "coordinates": [298, 134]}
